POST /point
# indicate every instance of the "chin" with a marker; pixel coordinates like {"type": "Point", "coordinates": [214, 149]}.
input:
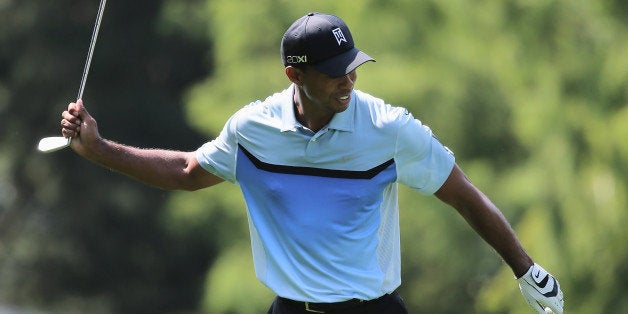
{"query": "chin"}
{"type": "Point", "coordinates": [341, 108]}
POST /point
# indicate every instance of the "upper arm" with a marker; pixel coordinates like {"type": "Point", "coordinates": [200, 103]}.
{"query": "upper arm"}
{"type": "Point", "coordinates": [458, 191]}
{"type": "Point", "coordinates": [456, 188]}
{"type": "Point", "coordinates": [422, 161]}
{"type": "Point", "coordinates": [197, 177]}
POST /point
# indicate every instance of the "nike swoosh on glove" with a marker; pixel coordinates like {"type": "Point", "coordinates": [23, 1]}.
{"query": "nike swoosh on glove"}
{"type": "Point", "coordinates": [541, 290]}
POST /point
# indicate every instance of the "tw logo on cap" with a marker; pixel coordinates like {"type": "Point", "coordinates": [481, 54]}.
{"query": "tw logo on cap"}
{"type": "Point", "coordinates": [340, 37]}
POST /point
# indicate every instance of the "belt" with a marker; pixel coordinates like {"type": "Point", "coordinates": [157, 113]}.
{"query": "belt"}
{"type": "Point", "coordinates": [313, 307]}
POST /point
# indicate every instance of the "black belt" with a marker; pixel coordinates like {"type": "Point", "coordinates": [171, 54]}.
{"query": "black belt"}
{"type": "Point", "coordinates": [330, 307]}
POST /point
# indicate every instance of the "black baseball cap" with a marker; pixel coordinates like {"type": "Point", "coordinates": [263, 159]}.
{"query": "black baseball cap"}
{"type": "Point", "coordinates": [324, 42]}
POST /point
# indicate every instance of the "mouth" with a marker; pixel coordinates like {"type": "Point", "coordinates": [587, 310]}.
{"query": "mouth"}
{"type": "Point", "coordinates": [344, 98]}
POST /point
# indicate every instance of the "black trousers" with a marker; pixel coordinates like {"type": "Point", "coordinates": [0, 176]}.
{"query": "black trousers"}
{"type": "Point", "coordinates": [388, 304]}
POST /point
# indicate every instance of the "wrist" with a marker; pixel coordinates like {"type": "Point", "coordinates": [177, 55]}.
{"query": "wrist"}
{"type": "Point", "coordinates": [96, 149]}
{"type": "Point", "coordinates": [522, 267]}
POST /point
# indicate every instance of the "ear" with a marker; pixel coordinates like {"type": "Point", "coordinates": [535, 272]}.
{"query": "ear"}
{"type": "Point", "coordinates": [294, 75]}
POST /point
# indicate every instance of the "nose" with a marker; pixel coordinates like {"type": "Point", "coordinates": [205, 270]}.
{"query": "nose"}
{"type": "Point", "coordinates": [348, 80]}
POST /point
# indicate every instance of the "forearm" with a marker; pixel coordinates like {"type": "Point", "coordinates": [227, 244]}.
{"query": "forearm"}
{"type": "Point", "coordinates": [489, 222]}
{"type": "Point", "coordinates": [485, 218]}
{"type": "Point", "coordinates": [160, 168]}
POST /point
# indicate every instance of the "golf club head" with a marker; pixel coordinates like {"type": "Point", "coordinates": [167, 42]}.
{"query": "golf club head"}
{"type": "Point", "coordinates": [53, 143]}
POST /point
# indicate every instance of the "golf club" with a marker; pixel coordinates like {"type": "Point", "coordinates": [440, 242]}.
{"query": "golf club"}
{"type": "Point", "coordinates": [54, 143]}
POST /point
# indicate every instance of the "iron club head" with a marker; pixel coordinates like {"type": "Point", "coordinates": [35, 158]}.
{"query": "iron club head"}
{"type": "Point", "coordinates": [53, 143]}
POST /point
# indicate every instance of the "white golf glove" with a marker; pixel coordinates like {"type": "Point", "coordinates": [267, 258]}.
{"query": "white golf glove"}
{"type": "Point", "coordinates": [541, 290]}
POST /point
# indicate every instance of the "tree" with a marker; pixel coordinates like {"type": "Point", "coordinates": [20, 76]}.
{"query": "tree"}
{"type": "Point", "coordinates": [74, 236]}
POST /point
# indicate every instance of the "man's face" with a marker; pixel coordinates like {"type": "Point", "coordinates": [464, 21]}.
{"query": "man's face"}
{"type": "Point", "coordinates": [327, 93]}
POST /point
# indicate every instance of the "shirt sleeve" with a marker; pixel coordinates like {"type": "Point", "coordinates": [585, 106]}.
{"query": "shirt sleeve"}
{"type": "Point", "coordinates": [219, 155]}
{"type": "Point", "coordinates": [423, 163]}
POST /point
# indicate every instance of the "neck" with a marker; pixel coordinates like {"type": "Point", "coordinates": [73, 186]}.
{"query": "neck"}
{"type": "Point", "coordinates": [308, 114]}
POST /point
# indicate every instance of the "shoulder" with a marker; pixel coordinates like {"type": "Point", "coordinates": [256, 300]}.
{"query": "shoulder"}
{"type": "Point", "coordinates": [381, 113]}
{"type": "Point", "coordinates": [395, 121]}
{"type": "Point", "coordinates": [265, 111]}
{"type": "Point", "coordinates": [270, 106]}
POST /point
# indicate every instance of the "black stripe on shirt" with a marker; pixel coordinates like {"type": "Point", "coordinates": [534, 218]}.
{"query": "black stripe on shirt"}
{"type": "Point", "coordinates": [319, 172]}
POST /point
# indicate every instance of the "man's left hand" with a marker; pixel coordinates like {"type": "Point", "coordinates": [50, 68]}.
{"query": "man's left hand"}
{"type": "Point", "coordinates": [541, 290]}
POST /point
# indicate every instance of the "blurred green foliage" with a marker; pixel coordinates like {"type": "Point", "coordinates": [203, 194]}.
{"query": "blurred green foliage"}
{"type": "Point", "coordinates": [531, 95]}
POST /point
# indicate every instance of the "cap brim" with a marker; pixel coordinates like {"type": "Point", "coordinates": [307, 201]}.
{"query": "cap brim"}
{"type": "Point", "coordinates": [343, 63]}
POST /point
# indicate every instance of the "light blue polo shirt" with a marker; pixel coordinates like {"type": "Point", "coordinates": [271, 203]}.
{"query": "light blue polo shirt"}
{"type": "Point", "coordinates": [322, 207]}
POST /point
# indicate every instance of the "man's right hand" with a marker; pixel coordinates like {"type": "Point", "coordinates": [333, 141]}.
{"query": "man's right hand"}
{"type": "Point", "coordinates": [80, 126]}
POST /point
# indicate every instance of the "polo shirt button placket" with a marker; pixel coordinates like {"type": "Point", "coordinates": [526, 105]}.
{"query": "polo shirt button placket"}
{"type": "Point", "coordinates": [312, 146]}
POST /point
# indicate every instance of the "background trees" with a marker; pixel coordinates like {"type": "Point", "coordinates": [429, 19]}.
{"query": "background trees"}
{"type": "Point", "coordinates": [530, 95]}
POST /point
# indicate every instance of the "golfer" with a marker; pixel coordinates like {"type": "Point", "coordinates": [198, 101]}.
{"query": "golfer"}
{"type": "Point", "coordinates": [319, 164]}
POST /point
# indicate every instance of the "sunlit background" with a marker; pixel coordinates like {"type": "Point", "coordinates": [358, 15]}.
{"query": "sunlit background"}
{"type": "Point", "coordinates": [531, 95]}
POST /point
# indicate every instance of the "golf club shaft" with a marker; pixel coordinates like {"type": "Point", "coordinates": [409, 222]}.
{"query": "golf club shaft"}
{"type": "Point", "coordinates": [92, 43]}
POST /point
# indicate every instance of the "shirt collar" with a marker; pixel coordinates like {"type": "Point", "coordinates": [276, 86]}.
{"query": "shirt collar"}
{"type": "Point", "coordinates": [342, 121]}
{"type": "Point", "coordinates": [289, 120]}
